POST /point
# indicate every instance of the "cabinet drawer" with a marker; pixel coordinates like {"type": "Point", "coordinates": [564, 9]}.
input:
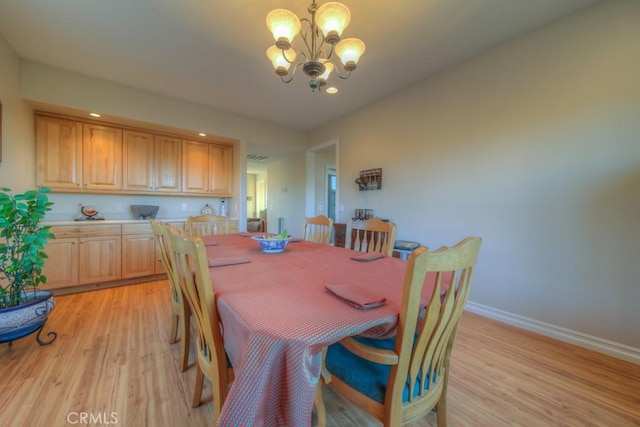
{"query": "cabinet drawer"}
{"type": "Point", "coordinates": [141, 228]}
{"type": "Point", "coordinates": [65, 231]}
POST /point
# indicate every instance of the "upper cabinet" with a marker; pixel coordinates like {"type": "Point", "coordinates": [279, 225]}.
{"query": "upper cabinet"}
{"type": "Point", "coordinates": [77, 155]}
{"type": "Point", "coordinates": [59, 153]}
{"type": "Point", "coordinates": [207, 168]}
{"type": "Point", "coordinates": [167, 164]}
{"type": "Point", "coordinates": [221, 161]}
{"type": "Point", "coordinates": [102, 157]}
{"type": "Point", "coordinates": [137, 161]}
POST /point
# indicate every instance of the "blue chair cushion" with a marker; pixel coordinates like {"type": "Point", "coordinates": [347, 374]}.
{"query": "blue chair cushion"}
{"type": "Point", "coordinates": [367, 377]}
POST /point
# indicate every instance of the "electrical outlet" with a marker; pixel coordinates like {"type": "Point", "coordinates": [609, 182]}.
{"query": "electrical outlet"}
{"type": "Point", "coordinates": [341, 208]}
{"type": "Point", "coordinates": [184, 207]}
{"type": "Point", "coordinates": [118, 206]}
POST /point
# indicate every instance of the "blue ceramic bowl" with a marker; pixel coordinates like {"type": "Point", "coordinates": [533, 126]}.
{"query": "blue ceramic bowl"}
{"type": "Point", "coordinates": [271, 245]}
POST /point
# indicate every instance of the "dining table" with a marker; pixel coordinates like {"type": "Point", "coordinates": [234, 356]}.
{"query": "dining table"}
{"type": "Point", "coordinates": [277, 316]}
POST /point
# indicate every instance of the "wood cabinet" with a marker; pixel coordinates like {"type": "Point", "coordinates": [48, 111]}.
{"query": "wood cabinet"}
{"type": "Point", "coordinates": [102, 157]}
{"type": "Point", "coordinates": [83, 255]}
{"type": "Point", "coordinates": [167, 164]}
{"type": "Point", "coordinates": [137, 161]}
{"type": "Point", "coordinates": [99, 259]}
{"type": "Point", "coordinates": [151, 162]}
{"type": "Point", "coordinates": [138, 251]}
{"type": "Point", "coordinates": [59, 153]}
{"type": "Point", "coordinates": [221, 161]}
{"type": "Point", "coordinates": [207, 168]}
{"type": "Point", "coordinates": [61, 268]}
{"type": "Point", "coordinates": [80, 155]}
{"type": "Point", "coordinates": [340, 234]}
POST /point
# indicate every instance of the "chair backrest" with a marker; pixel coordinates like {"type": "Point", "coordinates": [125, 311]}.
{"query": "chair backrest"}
{"type": "Point", "coordinates": [372, 235]}
{"type": "Point", "coordinates": [192, 271]}
{"type": "Point", "coordinates": [203, 225]}
{"type": "Point", "coordinates": [318, 229]}
{"type": "Point", "coordinates": [427, 357]}
{"type": "Point", "coordinates": [162, 234]}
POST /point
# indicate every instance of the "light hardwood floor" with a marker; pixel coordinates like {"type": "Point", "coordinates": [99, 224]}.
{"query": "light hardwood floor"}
{"type": "Point", "coordinates": [112, 360]}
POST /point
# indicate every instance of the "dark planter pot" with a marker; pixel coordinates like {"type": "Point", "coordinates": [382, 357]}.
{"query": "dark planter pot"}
{"type": "Point", "coordinates": [25, 319]}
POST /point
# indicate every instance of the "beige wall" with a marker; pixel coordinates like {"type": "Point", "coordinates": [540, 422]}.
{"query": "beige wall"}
{"type": "Point", "coordinates": [17, 170]}
{"type": "Point", "coordinates": [59, 90]}
{"type": "Point", "coordinates": [535, 146]}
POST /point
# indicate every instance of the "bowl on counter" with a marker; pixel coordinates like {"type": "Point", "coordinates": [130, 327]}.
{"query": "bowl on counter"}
{"type": "Point", "coordinates": [144, 211]}
{"type": "Point", "coordinates": [270, 244]}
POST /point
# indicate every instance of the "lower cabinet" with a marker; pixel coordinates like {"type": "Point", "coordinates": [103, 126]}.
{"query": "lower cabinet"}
{"type": "Point", "coordinates": [99, 259]}
{"type": "Point", "coordinates": [82, 255]}
{"type": "Point", "coordinates": [61, 268]}
{"type": "Point", "coordinates": [97, 253]}
{"type": "Point", "coordinates": [138, 251]}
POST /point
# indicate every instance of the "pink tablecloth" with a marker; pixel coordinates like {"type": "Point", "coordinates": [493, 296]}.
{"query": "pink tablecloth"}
{"type": "Point", "coordinates": [277, 317]}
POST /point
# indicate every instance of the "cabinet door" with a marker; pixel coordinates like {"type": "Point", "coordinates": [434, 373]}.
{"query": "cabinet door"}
{"type": "Point", "coordinates": [61, 268]}
{"type": "Point", "coordinates": [137, 161]}
{"type": "Point", "coordinates": [221, 165]}
{"type": "Point", "coordinates": [138, 255]}
{"type": "Point", "coordinates": [59, 153]}
{"type": "Point", "coordinates": [99, 259]}
{"type": "Point", "coordinates": [102, 157]}
{"type": "Point", "coordinates": [168, 164]}
{"type": "Point", "coordinates": [195, 167]}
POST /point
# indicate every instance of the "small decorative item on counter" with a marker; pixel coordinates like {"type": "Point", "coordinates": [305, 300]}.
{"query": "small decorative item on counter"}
{"type": "Point", "coordinates": [88, 213]}
{"type": "Point", "coordinates": [206, 210]}
{"type": "Point", "coordinates": [223, 208]}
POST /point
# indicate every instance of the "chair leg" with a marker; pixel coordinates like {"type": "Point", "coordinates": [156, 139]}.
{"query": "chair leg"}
{"type": "Point", "coordinates": [186, 339]}
{"type": "Point", "coordinates": [173, 335]}
{"type": "Point", "coordinates": [441, 411]}
{"type": "Point", "coordinates": [197, 391]}
{"type": "Point", "coordinates": [320, 409]}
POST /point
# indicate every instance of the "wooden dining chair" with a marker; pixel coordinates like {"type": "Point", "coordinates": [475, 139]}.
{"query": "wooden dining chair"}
{"type": "Point", "coordinates": [203, 225]}
{"type": "Point", "coordinates": [405, 377]}
{"type": "Point", "coordinates": [181, 314]}
{"type": "Point", "coordinates": [372, 235]}
{"type": "Point", "coordinates": [192, 270]}
{"type": "Point", "coordinates": [318, 229]}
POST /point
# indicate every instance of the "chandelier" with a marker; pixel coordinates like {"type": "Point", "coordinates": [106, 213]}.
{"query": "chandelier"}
{"type": "Point", "coordinates": [322, 32]}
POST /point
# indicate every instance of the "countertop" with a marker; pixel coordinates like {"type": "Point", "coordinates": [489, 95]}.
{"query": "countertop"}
{"type": "Point", "coordinates": [114, 221]}
{"type": "Point", "coordinates": [110, 221]}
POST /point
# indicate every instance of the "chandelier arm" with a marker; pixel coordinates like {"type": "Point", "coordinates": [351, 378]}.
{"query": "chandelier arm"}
{"type": "Point", "coordinates": [337, 70]}
{"type": "Point", "coordinates": [305, 34]}
{"type": "Point", "coordinates": [295, 68]}
{"type": "Point", "coordinates": [331, 52]}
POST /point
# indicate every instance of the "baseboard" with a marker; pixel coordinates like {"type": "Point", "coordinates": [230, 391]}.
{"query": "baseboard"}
{"type": "Point", "coordinates": [620, 351]}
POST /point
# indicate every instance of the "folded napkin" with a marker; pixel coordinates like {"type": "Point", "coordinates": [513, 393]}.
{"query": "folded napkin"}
{"type": "Point", "coordinates": [245, 234]}
{"type": "Point", "coordinates": [368, 257]}
{"type": "Point", "coordinates": [295, 240]}
{"type": "Point", "coordinates": [220, 262]}
{"type": "Point", "coordinates": [356, 297]}
{"type": "Point", "coordinates": [209, 240]}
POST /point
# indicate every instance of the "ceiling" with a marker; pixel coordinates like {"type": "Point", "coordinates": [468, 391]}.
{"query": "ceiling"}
{"type": "Point", "coordinates": [213, 52]}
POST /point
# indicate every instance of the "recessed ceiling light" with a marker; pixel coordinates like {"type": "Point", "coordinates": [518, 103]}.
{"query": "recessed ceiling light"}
{"type": "Point", "coordinates": [202, 134]}
{"type": "Point", "coordinates": [331, 90]}
{"type": "Point", "coordinates": [94, 114]}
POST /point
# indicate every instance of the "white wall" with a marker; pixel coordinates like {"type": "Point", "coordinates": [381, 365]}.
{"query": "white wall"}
{"type": "Point", "coordinates": [535, 146]}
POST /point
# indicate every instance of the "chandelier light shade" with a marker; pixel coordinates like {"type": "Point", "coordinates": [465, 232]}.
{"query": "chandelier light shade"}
{"type": "Point", "coordinates": [321, 40]}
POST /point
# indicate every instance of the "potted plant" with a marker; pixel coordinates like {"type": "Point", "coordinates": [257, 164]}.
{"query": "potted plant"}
{"type": "Point", "coordinates": [23, 308]}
